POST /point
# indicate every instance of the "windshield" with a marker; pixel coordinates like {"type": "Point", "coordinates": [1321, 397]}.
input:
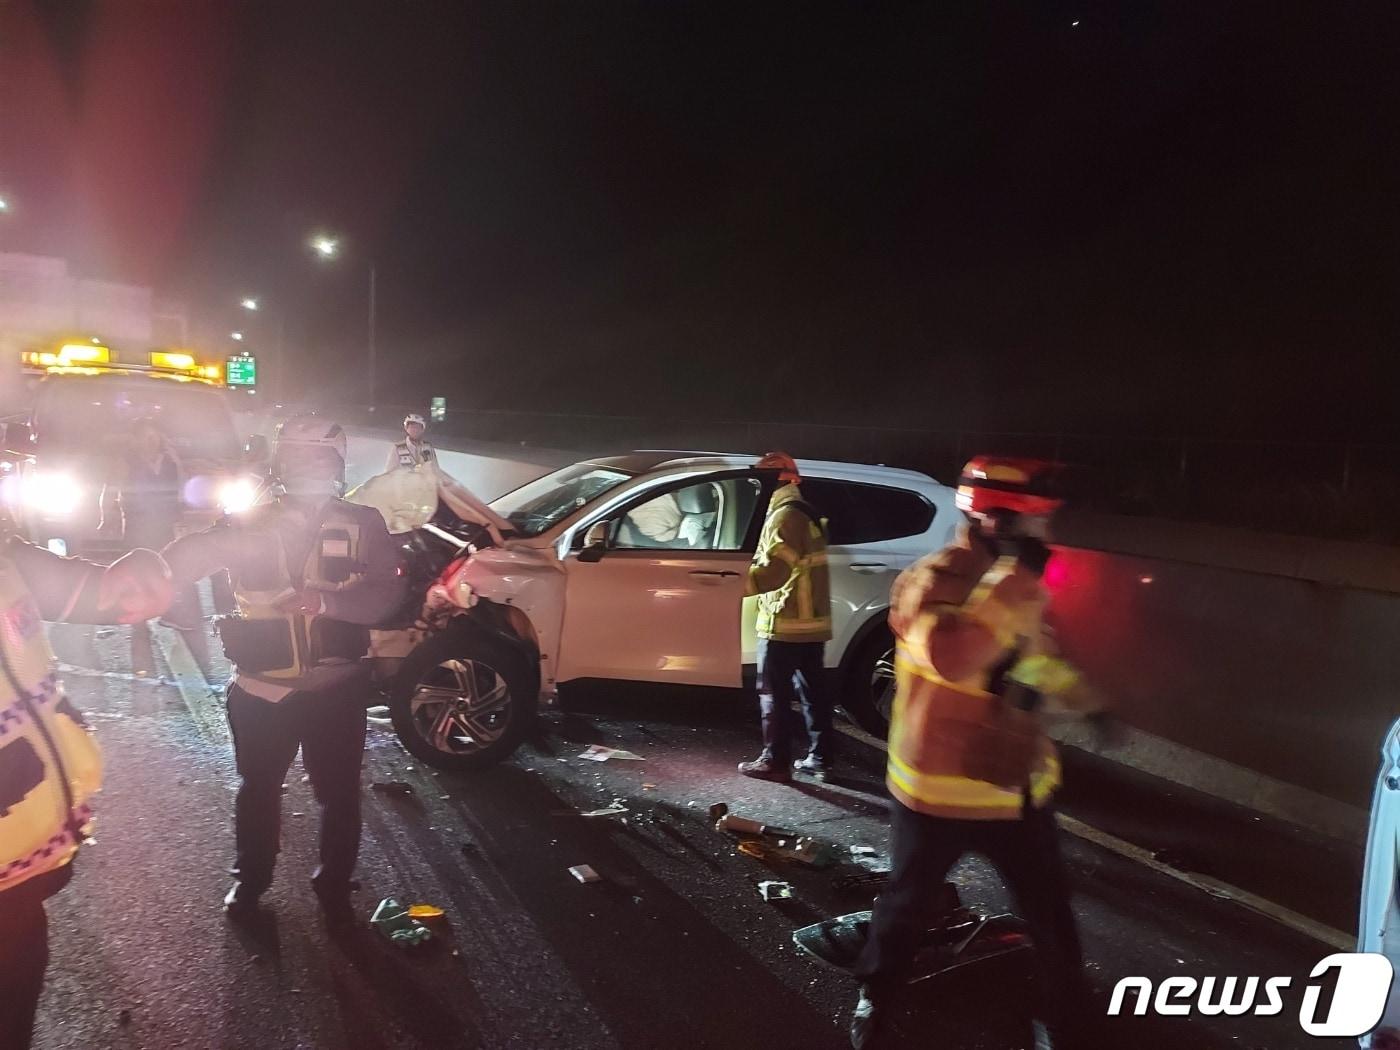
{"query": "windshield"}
{"type": "Point", "coordinates": [545, 502]}
{"type": "Point", "coordinates": [93, 413]}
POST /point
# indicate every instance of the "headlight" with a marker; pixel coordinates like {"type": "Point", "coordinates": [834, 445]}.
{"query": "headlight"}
{"type": "Point", "coordinates": [54, 495]}
{"type": "Point", "coordinates": [237, 494]}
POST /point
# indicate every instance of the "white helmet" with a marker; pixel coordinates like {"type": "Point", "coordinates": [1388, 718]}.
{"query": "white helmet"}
{"type": "Point", "coordinates": [414, 417]}
{"type": "Point", "coordinates": [310, 431]}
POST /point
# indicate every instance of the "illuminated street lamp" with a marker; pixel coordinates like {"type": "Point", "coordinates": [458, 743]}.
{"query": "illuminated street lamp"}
{"type": "Point", "coordinates": [328, 248]}
{"type": "Point", "coordinates": [249, 303]}
{"type": "Point", "coordinates": [4, 205]}
{"type": "Point", "coordinates": [237, 337]}
{"type": "Point", "coordinates": [325, 247]}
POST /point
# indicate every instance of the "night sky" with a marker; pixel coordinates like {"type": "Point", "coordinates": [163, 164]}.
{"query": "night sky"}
{"type": "Point", "coordinates": [1165, 219]}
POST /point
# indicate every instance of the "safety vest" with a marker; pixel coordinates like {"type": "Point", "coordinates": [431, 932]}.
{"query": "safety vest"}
{"type": "Point", "coordinates": [281, 647]}
{"type": "Point", "coordinates": [799, 610]}
{"type": "Point", "coordinates": [411, 457]}
{"type": "Point", "coordinates": [49, 763]}
{"type": "Point", "coordinates": [968, 749]}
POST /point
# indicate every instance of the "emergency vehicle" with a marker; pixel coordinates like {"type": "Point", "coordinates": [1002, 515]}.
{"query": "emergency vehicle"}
{"type": "Point", "coordinates": [68, 451]}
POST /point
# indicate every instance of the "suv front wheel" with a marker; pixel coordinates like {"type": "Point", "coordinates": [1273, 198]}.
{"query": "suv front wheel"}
{"type": "Point", "coordinates": [867, 683]}
{"type": "Point", "coordinates": [463, 700]}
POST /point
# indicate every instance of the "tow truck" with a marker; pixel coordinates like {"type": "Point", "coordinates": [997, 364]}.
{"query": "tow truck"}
{"type": "Point", "coordinates": [61, 455]}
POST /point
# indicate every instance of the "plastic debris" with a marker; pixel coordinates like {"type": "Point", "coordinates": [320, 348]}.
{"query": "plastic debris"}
{"type": "Point", "coordinates": [648, 787]}
{"type": "Point", "coordinates": [393, 921]}
{"type": "Point", "coordinates": [426, 912]}
{"type": "Point", "coordinates": [599, 753]}
{"type": "Point", "coordinates": [863, 851]}
{"type": "Point", "coordinates": [584, 873]}
{"type": "Point", "coordinates": [775, 891]}
{"type": "Point", "coordinates": [607, 811]}
{"type": "Point", "coordinates": [392, 787]}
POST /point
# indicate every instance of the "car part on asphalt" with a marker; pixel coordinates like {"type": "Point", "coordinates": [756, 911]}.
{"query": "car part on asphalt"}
{"type": "Point", "coordinates": [959, 937]}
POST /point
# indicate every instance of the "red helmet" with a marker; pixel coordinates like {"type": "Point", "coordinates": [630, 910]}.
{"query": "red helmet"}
{"type": "Point", "coordinates": [784, 464]}
{"type": "Point", "coordinates": [1026, 486]}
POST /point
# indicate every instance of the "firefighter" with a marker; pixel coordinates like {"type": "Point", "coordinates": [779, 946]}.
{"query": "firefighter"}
{"type": "Point", "coordinates": [969, 766]}
{"type": "Point", "coordinates": [49, 765]}
{"type": "Point", "coordinates": [311, 573]}
{"type": "Point", "coordinates": [790, 576]}
{"type": "Point", "coordinates": [413, 449]}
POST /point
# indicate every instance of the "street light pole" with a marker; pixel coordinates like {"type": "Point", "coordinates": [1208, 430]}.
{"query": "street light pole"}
{"type": "Point", "coordinates": [373, 402]}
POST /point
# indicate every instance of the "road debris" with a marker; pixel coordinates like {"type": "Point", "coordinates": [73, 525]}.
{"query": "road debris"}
{"type": "Point", "coordinates": [607, 811]}
{"type": "Point", "coordinates": [862, 882]}
{"type": "Point", "coordinates": [599, 753]}
{"type": "Point", "coordinates": [426, 912]}
{"type": "Point", "coordinates": [584, 873]}
{"type": "Point", "coordinates": [771, 890]}
{"type": "Point", "coordinates": [737, 825]}
{"type": "Point", "coordinates": [802, 850]}
{"type": "Point", "coordinates": [393, 787]}
{"type": "Point", "coordinates": [863, 851]}
{"type": "Point", "coordinates": [393, 921]}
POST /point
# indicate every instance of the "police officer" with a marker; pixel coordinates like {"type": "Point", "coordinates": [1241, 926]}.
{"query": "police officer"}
{"type": "Point", "coordinates": [49, 764]}
{"type": "Point", "coordinates": [413, 449]}
{"type": "Point", "coordinates": [970, 767]}
{"type": "Point", "coordinates": [311, 573]}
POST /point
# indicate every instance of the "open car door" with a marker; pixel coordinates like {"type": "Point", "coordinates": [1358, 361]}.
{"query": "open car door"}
{"type": "Point", "coordinates": [659, 597]}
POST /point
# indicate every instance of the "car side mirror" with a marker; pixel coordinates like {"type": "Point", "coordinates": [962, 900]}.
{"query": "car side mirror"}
{"type": "Point", "coordinates": [256, 450]}
{"type": "Point", "coordinates": [18, 438]}
{"type": "Point", "coordinates": [595, 542]}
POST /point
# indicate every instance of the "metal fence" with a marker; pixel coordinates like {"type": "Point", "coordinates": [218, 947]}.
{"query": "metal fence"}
{"type": "Point", "coordinates": [1333, 490]}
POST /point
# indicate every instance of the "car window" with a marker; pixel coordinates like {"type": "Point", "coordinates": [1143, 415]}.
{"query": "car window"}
{"type": "Point", "coordinates": [860, 513]}
{"type": "Point", "coordinates": [546, 501]}
{"type": "Point", "coordinates": [711, 515]}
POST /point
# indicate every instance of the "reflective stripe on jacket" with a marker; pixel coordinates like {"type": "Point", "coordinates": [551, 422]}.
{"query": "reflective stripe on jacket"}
{"type": "Point", "coordinates": [49, 764]}
{"type": "Point", "coordinates": [966, 749]}
{"type": "Point", "coordinates": [789, 573]}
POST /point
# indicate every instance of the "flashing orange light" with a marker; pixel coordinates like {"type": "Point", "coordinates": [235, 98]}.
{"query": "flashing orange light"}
{"type": "Point", "coordinates": [181, 362]}
{"type": "Point", "coordinates": [84, 353]}
{"type": "Point", "coordinates": [210, 372]}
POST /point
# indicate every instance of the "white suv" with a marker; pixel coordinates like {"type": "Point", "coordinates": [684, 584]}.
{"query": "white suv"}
{"type": "Point", "coordinates": [632, 567]}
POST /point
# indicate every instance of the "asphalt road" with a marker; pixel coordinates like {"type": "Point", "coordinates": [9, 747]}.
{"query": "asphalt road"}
{"type": "Point", "coordinates": [673, 948]}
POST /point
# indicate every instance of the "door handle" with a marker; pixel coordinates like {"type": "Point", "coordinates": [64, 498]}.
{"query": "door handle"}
{"type": "Point", "coordinates": [713, 572]}
{"type": "Point", "coordinates": [870, 568]}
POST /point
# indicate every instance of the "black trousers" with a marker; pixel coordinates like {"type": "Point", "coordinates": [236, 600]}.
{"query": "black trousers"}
{"type": "Point", "coordinates": [329, 728]}
{"type": "Point", "coordinates": [789, 671]}
{"type": "Point", "coordinates": [1026, 852]}
{"type": "Point", "coordinates": [24, 955]}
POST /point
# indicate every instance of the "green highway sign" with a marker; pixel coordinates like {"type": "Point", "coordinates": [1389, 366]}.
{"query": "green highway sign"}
{"type": "Point", "coordinates": [241, 370]}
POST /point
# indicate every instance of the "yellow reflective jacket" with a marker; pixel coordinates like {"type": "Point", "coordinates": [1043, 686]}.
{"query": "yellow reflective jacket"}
{"type": "Point", "coordinates": [967, 749]}
{"type": "Point", "coordinates": [789, 573]}
{"type": "Point", "coordinates": [49, 764]}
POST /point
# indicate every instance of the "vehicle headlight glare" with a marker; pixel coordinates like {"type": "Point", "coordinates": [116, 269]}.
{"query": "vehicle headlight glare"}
{"type": "Point", "coordinates": [237, 495]}
{"type": "Point", "coordinates": [55, 495]}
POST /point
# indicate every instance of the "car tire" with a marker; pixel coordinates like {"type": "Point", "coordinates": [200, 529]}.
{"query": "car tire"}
{"type": "Point", "coordinates": [867, 683]}
{"type": "Point", "coordinates": [454, 676]}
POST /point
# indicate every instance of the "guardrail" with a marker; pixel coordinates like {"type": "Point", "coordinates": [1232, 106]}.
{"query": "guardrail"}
{"type": "Point", "coordinates": [1336, 490]}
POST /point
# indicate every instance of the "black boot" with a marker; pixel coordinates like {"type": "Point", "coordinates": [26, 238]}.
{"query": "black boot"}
{"type": "Point", "coordinates": [241, 900]}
